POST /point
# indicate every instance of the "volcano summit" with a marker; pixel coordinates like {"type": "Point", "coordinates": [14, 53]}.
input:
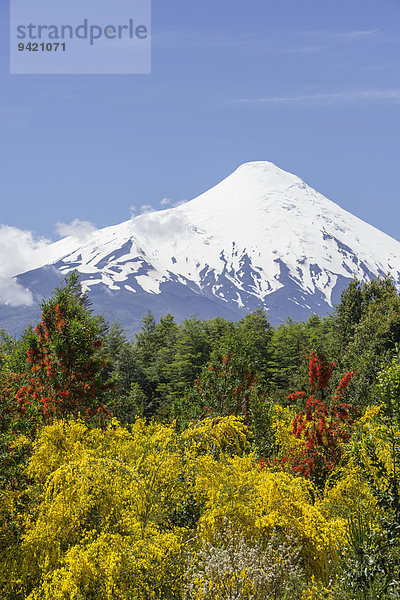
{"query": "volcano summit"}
{"type": "Point", "coordinates": [261, 237]}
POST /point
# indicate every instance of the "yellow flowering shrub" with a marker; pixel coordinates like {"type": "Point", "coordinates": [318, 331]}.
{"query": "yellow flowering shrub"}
{"type": "Point", "coordinates": [8, 510]}
{"type": "Point", "coordinates": [317, 591]}
{"type": "Point", "coordinates": [116, 512]}
{"type": "Point", "coordinates": [262, 502]}
{"type": "Point", "coordinates": [282, 428]}
{"type": "Point", "coordinates": [348, 491]}
{"type": "Point", "coordinates": [101, 494]}
{"type": "Point", "coordinates": [215, 436]}
{"type": "Point", "coordinates": [21, 442]}
{"type": "Point", "coordinates": [288, 504]}
{"type": "Point", "coordinates": [228, 488]}
{"type": "Point", "coordinates": [117, 567]}
{"type": "Point", "coordinates": [380, 434]}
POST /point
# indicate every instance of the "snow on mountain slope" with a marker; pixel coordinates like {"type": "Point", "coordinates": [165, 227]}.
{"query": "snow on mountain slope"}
{"type": "Point", "coordinates": [259, 237]}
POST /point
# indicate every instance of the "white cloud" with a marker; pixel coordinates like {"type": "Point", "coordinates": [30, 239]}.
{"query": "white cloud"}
{"type": "Point", "coordinates": [146, 208]}
{"type": "Point", "coordinates": [13, 294]}
{"type": "Point", "coordinates": [355, 34]}
{"type": "Point", "coordinates": [328, 98]}
{"type": "Point", "coordinates": [77, 229]}
{"type": "Point", "coordinates": [166, 227]}
{"type": "Point", "coordinates": [285, 42]}
{"type": "Point", "coordinates": [20, 251]}
{"type": "Point", "coordinates": [166, 201]}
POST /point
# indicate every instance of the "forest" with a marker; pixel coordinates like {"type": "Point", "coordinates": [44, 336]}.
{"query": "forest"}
{"type": "Point", "coordinates": [205, 460]}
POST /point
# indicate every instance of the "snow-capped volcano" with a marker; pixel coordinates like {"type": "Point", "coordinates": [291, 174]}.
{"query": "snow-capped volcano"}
{"type": "Point", "coordinates": [261, 237]}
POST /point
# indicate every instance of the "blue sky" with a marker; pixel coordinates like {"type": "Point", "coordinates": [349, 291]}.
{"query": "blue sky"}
{"type": "Point", "coordinates": [312, 85]}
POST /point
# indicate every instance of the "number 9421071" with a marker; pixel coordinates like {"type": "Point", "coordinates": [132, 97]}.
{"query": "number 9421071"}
{"type": "Point", "coordinates": [42, 47]}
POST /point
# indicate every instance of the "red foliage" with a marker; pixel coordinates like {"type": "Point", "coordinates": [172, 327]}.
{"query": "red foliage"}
{"type": "Point", "coordinates": [319, 371]}
{"type": "Point", "coordinates": [343, 385]}
{"type": "Point", "coordinates": [63, 375]}
{"type": "Point", "coordinates": [321, 429]}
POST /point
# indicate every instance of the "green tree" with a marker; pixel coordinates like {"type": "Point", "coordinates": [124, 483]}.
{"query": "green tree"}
{"type": "Point", "coordinates": [255, 333]}
{"type": "Point", "coordinates": [354, 305]}
{"type": "Point", "coordinates": [152, 354]}
{"type": "Point", "coordinates": [289, 352]}
{"type": "Point", "coordinates": [195, 342]}
{"type": "Point", "coordinates": [375, 337]}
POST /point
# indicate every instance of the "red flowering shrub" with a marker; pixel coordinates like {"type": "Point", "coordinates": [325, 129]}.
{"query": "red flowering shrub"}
{"type": "Point", "coordinates": [319, 371]}
{"type": "Point", "coordinates": [321, 429]}
{"type": "Point", "coordinates": [64, 373]}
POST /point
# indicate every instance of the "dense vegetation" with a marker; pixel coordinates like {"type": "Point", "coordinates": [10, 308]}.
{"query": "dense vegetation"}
{"type": "Point", "coordinates": [206, 460]}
